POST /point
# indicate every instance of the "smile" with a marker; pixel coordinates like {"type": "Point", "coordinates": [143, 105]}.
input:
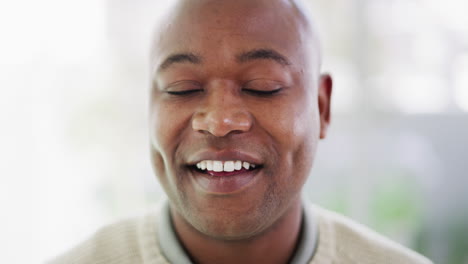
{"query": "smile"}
{"type": "Point", "coordinates": [226, 166]}
{"type": "Point", "coordinates": [224, 177]}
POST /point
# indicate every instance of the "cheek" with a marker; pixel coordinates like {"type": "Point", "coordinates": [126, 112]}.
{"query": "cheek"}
{"type": "Point", "coordinates": [166, 127]}
{"type": "Point", "coordinates": [292, 123]}
{"type": "Point", "coordinates": [158, 137]}
{"type": "Point", "coordinates": [166, 124]}
{"type": "Point", "coordinates": [305, 135]}
{"type": "Point", "coordinates": [294, 127]}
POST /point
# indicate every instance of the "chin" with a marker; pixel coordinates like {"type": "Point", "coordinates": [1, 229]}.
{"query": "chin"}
{"type": "Point", "coordinates": [232, 218]}
{"type": "Point", "coordinates": [231, 228]}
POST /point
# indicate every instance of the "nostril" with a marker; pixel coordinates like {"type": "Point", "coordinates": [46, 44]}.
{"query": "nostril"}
{"type": "Point", "coordinates": [220, 119]}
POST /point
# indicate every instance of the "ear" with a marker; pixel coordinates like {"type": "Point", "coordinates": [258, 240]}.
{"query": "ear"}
{"type": "Point", "coordinates": [324, 102]}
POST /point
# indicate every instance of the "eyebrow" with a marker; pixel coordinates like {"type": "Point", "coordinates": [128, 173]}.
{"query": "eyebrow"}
{"type": "Point", "coordinates": [256, 54]}
{"type": "Point", "coordinates": [180, 58]}
{"type": "Point", "coordinates": [263, 54]}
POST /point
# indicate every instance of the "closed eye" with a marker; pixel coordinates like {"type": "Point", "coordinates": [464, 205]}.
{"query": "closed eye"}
{"type": "Point", "coordinates": [185, 92]}
{"type": "Point", "coordinates": [262, 92]}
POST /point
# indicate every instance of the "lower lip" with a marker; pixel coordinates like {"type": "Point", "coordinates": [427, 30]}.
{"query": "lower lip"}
{"type": "Point", "coordinates": [225, 184]}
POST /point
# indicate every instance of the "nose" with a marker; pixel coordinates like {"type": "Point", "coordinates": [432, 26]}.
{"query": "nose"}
{"type": "Point", "coordinates": [222, 113]}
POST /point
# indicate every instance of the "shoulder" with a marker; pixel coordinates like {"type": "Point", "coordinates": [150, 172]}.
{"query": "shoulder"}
{"type": "Point", "coordinates": [342, 240]}
{"type": "Point", "coordinates": [128, 241]}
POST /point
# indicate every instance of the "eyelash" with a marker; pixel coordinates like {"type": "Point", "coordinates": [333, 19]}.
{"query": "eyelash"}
{"type": "Point", "coordinates": [182, 93]}
{"type": "Point", "coordinates": [263, 93]}
{"type": "Point", "coordinates": [251, 91]}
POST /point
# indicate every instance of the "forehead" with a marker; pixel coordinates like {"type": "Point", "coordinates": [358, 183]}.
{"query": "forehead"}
{"type": "Point", "coordinates": [221, 28]}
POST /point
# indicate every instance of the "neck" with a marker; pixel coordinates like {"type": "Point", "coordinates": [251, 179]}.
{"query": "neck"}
{"type": "Point", "coordinates": [275, 245]}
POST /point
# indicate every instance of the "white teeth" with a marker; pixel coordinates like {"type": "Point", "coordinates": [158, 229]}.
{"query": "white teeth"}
{"type": "Point", "coordinates": [238, 165]}
{"type": "Point", "coordinates": [209, 165]}
{"type": "Point", "coordinates": [227, 166]}
{"type": "Point", "coordinates": [217, 166]}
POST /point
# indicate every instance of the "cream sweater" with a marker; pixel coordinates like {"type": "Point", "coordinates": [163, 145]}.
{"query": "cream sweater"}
{"type": "Point", "coordinates": [341, 241]}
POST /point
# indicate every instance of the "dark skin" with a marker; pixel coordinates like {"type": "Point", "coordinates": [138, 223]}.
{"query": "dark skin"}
{"type": "Point", "coordinates": [237, 79]}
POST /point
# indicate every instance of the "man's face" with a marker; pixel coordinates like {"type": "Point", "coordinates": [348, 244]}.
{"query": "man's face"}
{"type": "Point", "coordinates": [234, 83]}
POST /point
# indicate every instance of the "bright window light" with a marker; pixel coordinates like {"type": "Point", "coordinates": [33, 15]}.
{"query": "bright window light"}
{"type": "Point", "coordinates": [451, 13]}
{"type": "Point", "coordinates": [419, 93]}
{"type": "Point", "coordinates": [461, 82]}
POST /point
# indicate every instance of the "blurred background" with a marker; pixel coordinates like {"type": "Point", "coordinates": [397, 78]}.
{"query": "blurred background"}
{"type": "Point", "coordinates": [74, 148]}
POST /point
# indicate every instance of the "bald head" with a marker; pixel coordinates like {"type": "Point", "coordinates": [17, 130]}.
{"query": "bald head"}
{"type": "Point", "coordinates": [283, 22]}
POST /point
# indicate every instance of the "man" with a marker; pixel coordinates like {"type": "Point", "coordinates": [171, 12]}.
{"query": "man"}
{"type": "Point", "coordinates": [238, 106]}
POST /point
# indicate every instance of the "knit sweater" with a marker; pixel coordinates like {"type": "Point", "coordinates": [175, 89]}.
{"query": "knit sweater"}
{"type": "Point", "coordinates": [341, 241]}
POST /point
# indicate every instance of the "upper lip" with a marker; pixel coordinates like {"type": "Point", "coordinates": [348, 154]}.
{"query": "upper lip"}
{"type": "Point", "coordinates": [224, 155]}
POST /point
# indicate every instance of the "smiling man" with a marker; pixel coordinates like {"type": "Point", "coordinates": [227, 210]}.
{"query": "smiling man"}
{"type": "Point", "coordinates": [238, 105]}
